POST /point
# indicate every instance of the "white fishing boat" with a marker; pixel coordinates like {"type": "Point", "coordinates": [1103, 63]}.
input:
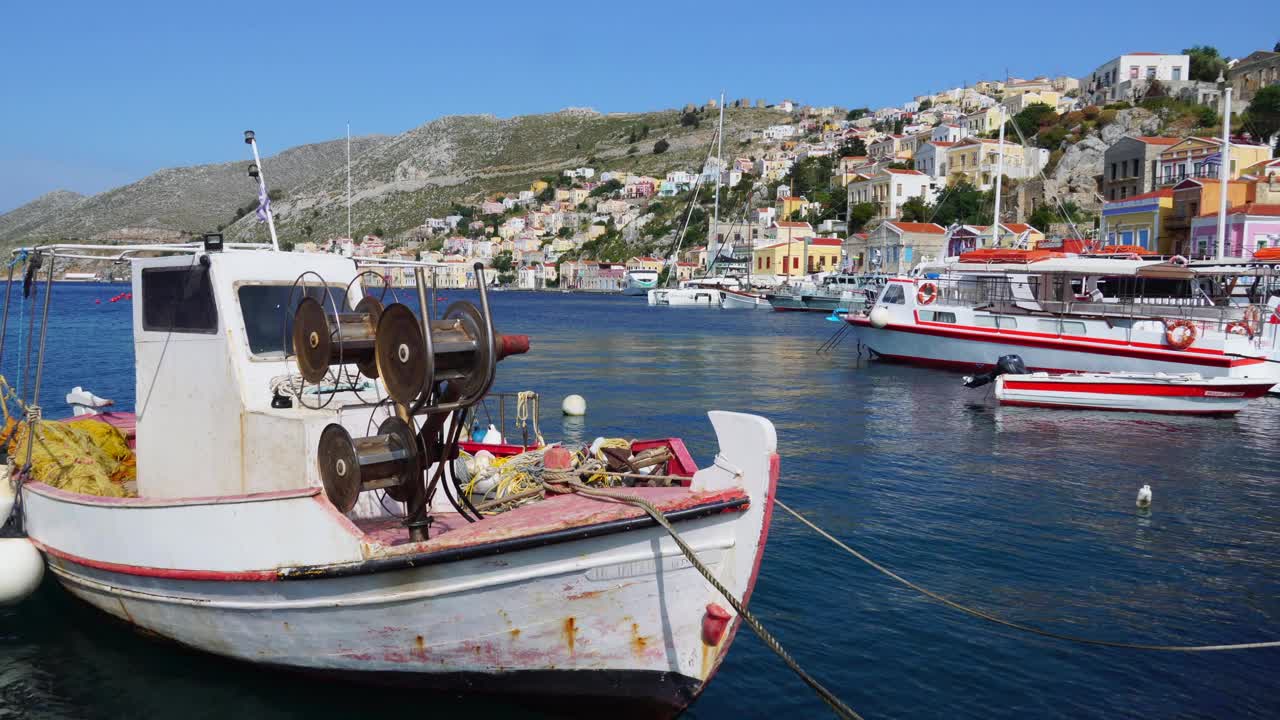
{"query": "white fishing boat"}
{"type": "Point", "coordinates": [687, 297]}
{"type": "Point", "coordinates": [296, 505]}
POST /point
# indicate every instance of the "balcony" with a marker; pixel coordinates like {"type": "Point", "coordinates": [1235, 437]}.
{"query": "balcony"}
{"type": "Point", "coordinates": [1208, 172]}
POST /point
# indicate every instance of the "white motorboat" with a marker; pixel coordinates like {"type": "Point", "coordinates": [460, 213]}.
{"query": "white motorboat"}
{"type": "Point", "coordinates": [640, 281]}
{"type": "Point", "coordinates": [743, 300]}
{"type": "Point", "coordinates": [260, 530]}
{"type": "Point", "coordinates": [1180, 394]}
{"type": "Point", "coordinates": [686, 297]}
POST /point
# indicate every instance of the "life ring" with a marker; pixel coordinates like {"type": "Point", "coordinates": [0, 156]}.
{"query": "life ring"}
{"type": "Point", "coordinates": [1239, 328]}
{"type": "Point", "coordinates": [927, 293]}
{"type": "Point", "coordinates": [1178, 260]}
{"type": "Point", "coordinates": [1180, 334]}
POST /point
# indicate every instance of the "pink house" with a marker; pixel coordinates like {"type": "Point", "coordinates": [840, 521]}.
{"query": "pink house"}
{"type": "Point", "coordinates": [1250, 227]}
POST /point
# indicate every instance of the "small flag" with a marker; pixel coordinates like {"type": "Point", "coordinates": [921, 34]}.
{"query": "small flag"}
{"type": "Point", "coordinates": [264, 202]}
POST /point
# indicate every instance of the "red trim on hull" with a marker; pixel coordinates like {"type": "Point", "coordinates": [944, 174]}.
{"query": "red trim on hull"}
{"type": "Point", "coordinates": [1053, 406]}
{"type": "Point", "coordinates": [166, 573]}
{"type": "Point", "coordinates": [956, 364]}
{"type": "Point", "coordinates": [1251, 391]}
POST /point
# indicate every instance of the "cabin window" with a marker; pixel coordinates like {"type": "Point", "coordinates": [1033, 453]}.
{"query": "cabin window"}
{"type": "Point", "coordinates": [268, 325]}
{"type": "Point", "coordinates": [937, 316]}
{"type": "Point", "coordinates": [1070, 327]}
{"type": "Point", "coordinates": [178, 299]}
{"type": "Point", "coordinates": [894, 295]}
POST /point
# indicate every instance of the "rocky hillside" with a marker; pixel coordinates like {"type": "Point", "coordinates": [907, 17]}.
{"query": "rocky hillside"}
{"type": "Point", "coordinates": [397, 182]}
{"type": "Point", "coordinates": [174, 202]}
{"type": "Point", "coordinates": [27, 219]}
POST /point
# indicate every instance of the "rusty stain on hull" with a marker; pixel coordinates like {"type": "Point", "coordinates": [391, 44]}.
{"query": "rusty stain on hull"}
{"type": "Point", "coordinates": [419, 648]}
{"type": "Point", "coordinates": [639, 643]}
{"type": "Point", "coordinates": [570, 630]}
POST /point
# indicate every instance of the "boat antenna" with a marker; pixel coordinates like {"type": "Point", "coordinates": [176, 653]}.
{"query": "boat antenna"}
{"type": "Point", "coordinates": [349, 180]}
{"type": "Point", "coordinates": [264, 200]}
{"type": "Point", "coordinates": [1224, 166]}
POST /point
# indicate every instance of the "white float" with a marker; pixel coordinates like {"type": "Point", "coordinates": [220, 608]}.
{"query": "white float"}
{"type": "Point", "coordinates": [21, 569]}
{"type": "Point", "coordinates": [574, 405]}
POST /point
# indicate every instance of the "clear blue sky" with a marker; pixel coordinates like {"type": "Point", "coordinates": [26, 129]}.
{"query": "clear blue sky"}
{"type": "Point", "coordinates": [96, 94]}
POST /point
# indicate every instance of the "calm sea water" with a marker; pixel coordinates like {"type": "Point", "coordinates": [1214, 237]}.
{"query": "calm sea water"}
{"type": "Point", "coordinates": [1028, 514]}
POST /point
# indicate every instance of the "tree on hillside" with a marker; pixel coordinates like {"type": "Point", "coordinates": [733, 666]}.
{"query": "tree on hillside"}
{"type": "Point", "coordinates": [916, 210]}
{"type": "Point", "coordinates": [860, 215]}
{"type": "Point", "coordinates": [1263, 115]}
{"type": "Point", "coordinates": [1206, 63]}
{"type": "Point", "coordinates": [902, 165]}
{"type": "Point", "coordinates": [504, 264]}
{"type": "Point", "coordinates": [963, 203]}
{"type": "Point", "coordinates": [926, 105]}
{"type": "Point", "coordinates": [855, 113]}
{"type": "Point", "coordinates": [607, 187]}
{"type": "Point", "coordinates": [1049, 214]}
{"type": "Point", "coordinates": [660, 147]}
{"type": "Point", "coordinates": [689, 119]}
{"type": "Point", "coordinates": [854, 148]}
{"type": "Point", "coordinates": [1030, 120]}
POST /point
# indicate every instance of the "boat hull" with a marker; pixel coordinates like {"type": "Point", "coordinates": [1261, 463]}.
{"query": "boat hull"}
{"type": "Point", "coordinates": [685, 297]}
{"type": "Point", "coordinates": [735, 300]}
{"type": "Point", "coordinates": [965, 350]}
{"type": "Point", "coordinates": [1168, 395]}
{"type": "Point", "coordinates": [611, 610]}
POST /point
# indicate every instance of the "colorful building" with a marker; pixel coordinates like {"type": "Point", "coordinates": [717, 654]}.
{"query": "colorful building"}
{"type": "Point", "coordinates": [895, 246]}
{"type": "Point", "coordinates": [798, 257]}
{"type": "Point", "coordinates": [1250, 227]}
{"type": "Point", "coordinates": [1201, 157]}
{"type": "Point", "coordinates": [1191, 198]}
{"type": "Point", "coordinates": [1139, 220]}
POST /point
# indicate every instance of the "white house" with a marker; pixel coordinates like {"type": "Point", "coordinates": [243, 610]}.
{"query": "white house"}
{"type": "Point", "coordinates": [1114, 79]}
{"type": "Point", "coordinates": [948, 132]}
{"type": "Point", "coordinates": [889, 188]}
{"type": "Point", "coordinates": [931, 159]}
{"type": "Point", "coordinates": [778, 132]}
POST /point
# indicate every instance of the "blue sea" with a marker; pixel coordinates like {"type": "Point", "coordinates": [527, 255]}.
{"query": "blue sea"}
{"type": "Point", "coordinates": [1027, 514]}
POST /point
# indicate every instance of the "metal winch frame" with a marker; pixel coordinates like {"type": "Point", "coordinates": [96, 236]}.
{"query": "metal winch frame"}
{"type": "Point", "coordinates": [433, 369]}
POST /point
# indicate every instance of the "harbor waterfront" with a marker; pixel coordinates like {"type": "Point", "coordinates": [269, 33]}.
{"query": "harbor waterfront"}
{"type": "Point", "coordinates": [1025, 514]}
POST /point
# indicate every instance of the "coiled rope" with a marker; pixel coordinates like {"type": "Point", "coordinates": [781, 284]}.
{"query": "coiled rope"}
{"type": "Point", "coordinates": [1014, 625]}
{"type": "Point", "coordinates": [566, 481]}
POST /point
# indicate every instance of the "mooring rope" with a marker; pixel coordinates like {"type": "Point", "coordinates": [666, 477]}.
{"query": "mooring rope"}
{"type": "Point", "coordinates": [1015, 625]}
{"type": "Point", "coordinates": [566, 481]}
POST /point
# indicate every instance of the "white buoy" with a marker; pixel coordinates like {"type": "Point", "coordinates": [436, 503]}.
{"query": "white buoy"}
{"type": "Point", "coordinates": [21, 569]}
{"type": "Point", "coordinates": [879, 316]}
{"type": "Point", "coordinates": [1144, 496]}
{"type": "Point", "coordinates": [574, 405]}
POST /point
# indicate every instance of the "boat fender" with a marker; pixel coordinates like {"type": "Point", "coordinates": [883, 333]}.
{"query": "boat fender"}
{"type": "Point", "coordinates": [927, 293]}
{"type": "Point", "coordinates": [1144, 496]}
{"type": "Point", "coordinates": [714, 622]}
{"type": "Point", "coordinates": [21, 569]}
{"type": "Point", "coordinates": [879, 317]}
{"type": "Point", "coordinates": [1178, 260]}
{"type": "Point", "coordinates": [574, 405]}
{"type": "Point", "coordinates": [1180, 334]}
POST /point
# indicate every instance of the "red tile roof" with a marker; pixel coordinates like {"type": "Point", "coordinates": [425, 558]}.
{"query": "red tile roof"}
{"type": "Point", "coordinates": [1272, 210]}
{"type": "Point", "coordinates": [827, 242]}
{"type": "Point", "coordinates": [915, 227]}
{"type": "Point", "coordinates": [897, 171]}
{"type": "Point", "coordinates": [1167, 192]}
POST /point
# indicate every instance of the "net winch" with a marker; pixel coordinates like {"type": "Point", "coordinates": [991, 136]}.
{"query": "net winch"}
{"type": "Point", "coordinates": [432, 368]}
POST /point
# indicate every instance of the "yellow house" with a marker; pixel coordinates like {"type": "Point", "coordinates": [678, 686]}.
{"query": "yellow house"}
{"type": "Point", "coordinates": [788, 205]}
{"type": "Point", "coordinates": [1138, 220]}
{"type": "Point", "coordinates": [976, 160]}
{"type": "Point", "coordinates": [1200, 157]}
{"type": "Point", "coordinates": [538, 186]}
{"type": "Point", "coordinates": [982, 121]}
{"type": "Point", "coordinates": [797, 257]}
{"type": "Point", "coordinates": [1017, 103]}
{"type": "Point", "coordinates": [646, 263]}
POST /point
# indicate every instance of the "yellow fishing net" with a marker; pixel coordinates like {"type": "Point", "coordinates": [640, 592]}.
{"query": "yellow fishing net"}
{"type": "Point", "coordinates": [81, 456]}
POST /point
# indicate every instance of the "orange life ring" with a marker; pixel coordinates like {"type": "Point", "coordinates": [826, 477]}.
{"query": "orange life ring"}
{"type": "Point", "coordinates": [1180, 334]}
{"type": "Point", "coordinates": [927, 293]}
{"type": "Point", "coordinates": [1239, 328]}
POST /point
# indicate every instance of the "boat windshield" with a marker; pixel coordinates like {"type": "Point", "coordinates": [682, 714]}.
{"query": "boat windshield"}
{"type": "Point", "coordinates": [267, 324]}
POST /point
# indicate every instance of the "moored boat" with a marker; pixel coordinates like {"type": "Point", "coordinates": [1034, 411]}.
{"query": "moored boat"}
{"type": "Point", "coordinates": [282, 516]}
{"type": "Point", "coordinates": [1180, 394]}
{"type": "Point", "coordinates": [743, 300]}
{"type": "Point", "coordinates": [640, 281]}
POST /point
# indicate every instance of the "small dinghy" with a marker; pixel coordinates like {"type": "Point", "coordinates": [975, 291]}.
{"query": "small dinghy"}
{"type": "Point", "coordinates": [740, 300]}
{"type": "Point", "coordinates": [1180, 394]}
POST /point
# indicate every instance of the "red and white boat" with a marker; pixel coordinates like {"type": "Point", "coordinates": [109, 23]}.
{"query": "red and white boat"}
{"type": "Point", "coordinates": [1183, 394]}
{"type": "Point", "coordinates": [1078, 314]}
{"type": "Point", "coordinates": [243, 539]}
{"type": "Point", "coordinates": [743, 300]}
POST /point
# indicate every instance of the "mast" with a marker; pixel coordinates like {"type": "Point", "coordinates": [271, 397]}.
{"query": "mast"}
{"type": "Point", "coordinates": [1224, 172]}
{"type": "Point", "coordinates": [715, 214]}
{"type": "Point", "coordinates": [252, 142]}
{"type": "Point", "coordinates": [349, 180]}
{"type": "Point", "coordinates": [995, 227]}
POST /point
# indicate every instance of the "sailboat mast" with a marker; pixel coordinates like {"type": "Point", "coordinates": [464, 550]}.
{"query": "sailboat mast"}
{"type": "Point", "coordinates": [349, 180]}
{"type": "Point", "coordinates": [995, 226]}
{"type": "Point", "coordinates": [1224, 172]}
{"type": "Point", "coordinates": [714, 243]}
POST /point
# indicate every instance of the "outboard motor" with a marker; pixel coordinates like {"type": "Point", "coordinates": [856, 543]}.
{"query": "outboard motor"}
{"type": "Point", "coordinates": [1006, 365]}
